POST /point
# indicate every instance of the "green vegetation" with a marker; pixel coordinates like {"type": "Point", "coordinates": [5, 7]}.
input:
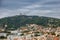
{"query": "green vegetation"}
{"type": "Point", "coordinates": [2, 37]}
{"type": "Point", "coordinates": [21, 20]}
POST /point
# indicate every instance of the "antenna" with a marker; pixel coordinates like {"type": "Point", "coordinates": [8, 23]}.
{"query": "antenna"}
{"type": "Point", "coordinates": [20, 13]}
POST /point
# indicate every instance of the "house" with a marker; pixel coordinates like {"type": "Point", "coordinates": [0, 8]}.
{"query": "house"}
{"type": "Point", "coordinates": [16, 37]}
{"type": "Point", "coordinates": [14, 31]}
{"type": "Point", "coordinates": [3, 34]}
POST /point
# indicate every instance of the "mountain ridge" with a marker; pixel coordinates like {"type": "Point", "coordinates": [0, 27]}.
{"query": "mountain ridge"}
{"type": "Point", "coordinates": [21, 20]}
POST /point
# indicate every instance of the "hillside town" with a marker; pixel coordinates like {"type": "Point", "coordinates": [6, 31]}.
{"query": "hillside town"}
{"type": "Point", "coordinates": [31, 32]}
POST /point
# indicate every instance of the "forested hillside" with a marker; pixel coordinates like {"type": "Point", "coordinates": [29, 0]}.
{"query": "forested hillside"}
{"type": "Point", "coordinates": [22, 20]}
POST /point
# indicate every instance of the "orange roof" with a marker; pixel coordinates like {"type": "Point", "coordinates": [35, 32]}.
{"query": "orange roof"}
{"type": "Point", "coordinates": [56, 38]}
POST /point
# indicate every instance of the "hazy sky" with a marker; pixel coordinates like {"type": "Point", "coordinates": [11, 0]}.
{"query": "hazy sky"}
{"type": "Point", "coordinates": [50, 8]}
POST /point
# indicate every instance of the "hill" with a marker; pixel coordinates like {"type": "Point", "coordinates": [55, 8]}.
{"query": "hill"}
{"type": "Point", "coordinates": [22, 20]}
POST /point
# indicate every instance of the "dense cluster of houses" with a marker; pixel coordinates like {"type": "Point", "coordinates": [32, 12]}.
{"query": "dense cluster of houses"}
{"type": "Point", "coordinates": [33, 32]}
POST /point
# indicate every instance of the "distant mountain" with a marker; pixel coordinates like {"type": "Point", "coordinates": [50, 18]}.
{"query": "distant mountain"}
{"type": "Point", "coordinates": [22, 20]}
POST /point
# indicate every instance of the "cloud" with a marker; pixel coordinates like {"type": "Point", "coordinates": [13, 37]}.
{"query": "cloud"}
{"type": "Point", "coordinates": [48, 13]}
{"type": "Point", "coordinates": [49, 8]}
{"type": "Point", "coordinates": [33, 6]}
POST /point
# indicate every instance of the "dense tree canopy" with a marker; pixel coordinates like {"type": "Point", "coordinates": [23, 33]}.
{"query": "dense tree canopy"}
{"type": "Point", "coordinates": [21, 20]}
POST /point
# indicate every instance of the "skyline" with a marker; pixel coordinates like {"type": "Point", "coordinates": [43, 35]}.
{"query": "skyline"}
{"type": "Point", "coordinates": [48, 8]}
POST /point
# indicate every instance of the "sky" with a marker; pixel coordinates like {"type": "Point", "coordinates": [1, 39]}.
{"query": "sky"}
{"type": "Point", "coordinates": [48, 8]}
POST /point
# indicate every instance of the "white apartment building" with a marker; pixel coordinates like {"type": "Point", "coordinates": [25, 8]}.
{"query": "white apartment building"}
{"type": "Point", "coordinates": [16, 37]}
{"type": "Point", "coordinates": [3, 34]}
